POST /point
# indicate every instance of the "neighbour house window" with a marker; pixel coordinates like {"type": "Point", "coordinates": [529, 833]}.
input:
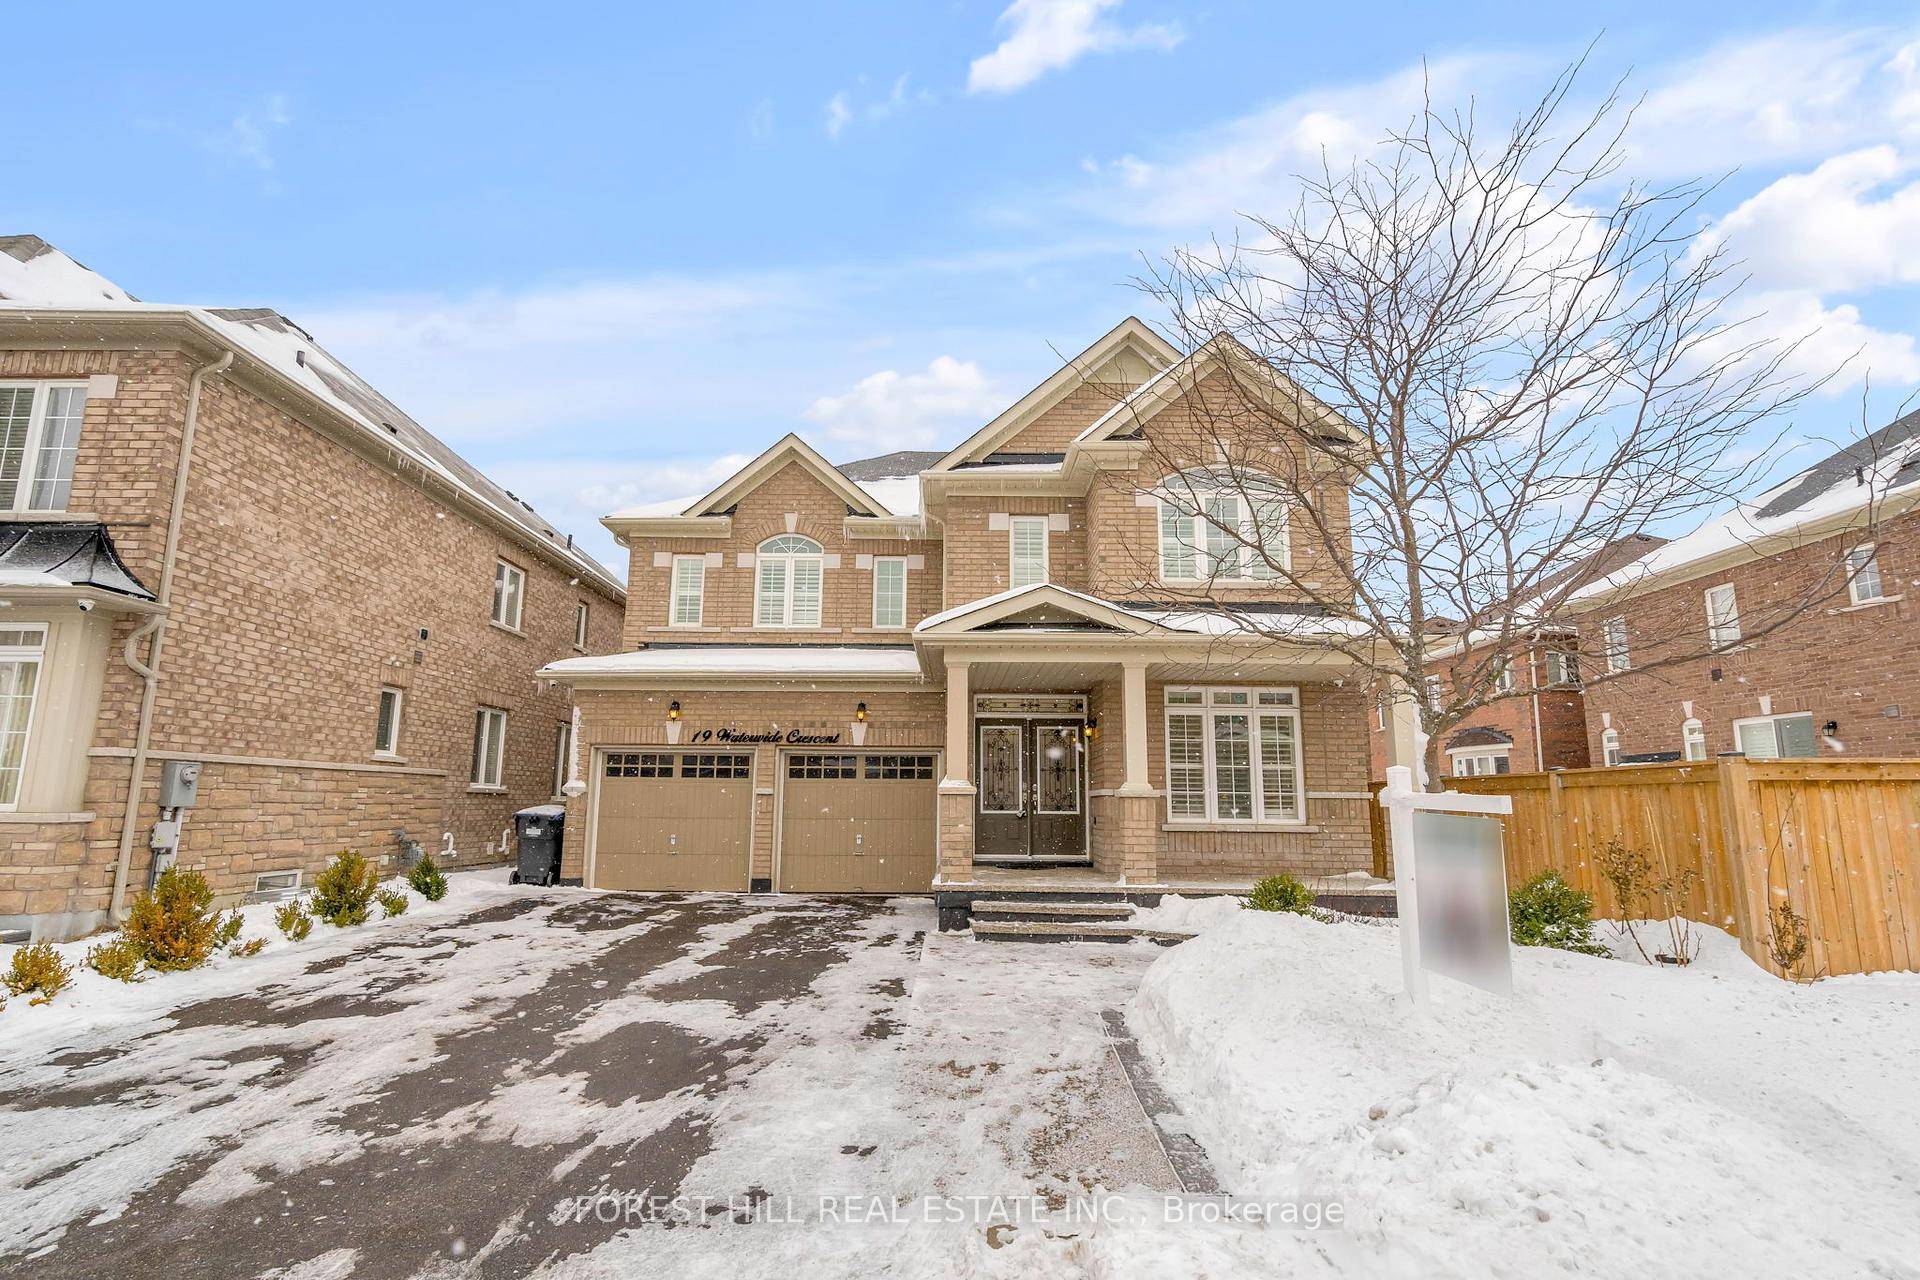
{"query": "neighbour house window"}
{"type": "Point", "coordinates": [509, 595]}
{"type": "Point", "coordinates": [39, 435]}
{"type": "Point", "coordinates": [1723, 617]}
{"type": "Point", "coordinates": [1863, 575]}
{"type": "Point", "coordinates": [1479, 762]}
{"type": "Point", "coordinates": [1613, 643]}
{"type": "Point", "coordinates": [689, 591]}
{"type": "Point", "coordinates": [1027, 539]}
{"type": "Point", "coordinates": [1380, 713]}
{"type": "Point", "coordinates": [1210, 535]}
{"type": "Point", "coordinates": [386, 723]}
{"type": "Point", "coordinates": [1693, 741]}
{"type": "Point", "coordinates": [1562, 667]}
{"type": "Point", "coordinates": [1233, 755]}
{"type": "Point", "coordinates": [580, 616]}
{"type": "Point", "coordinates": [21, 649]}
{"type": "Point", "coordinates": [489, 747]}
{"type": "Point", "coordinates": [1503, 675]}
{"type": "Point", "coordinates": [562, 750]}
{"type": "Point", "coordinates": [786, 589]}
{"type": "Point", "coordinates": [1775, 737]}
{"type": "Point", "coordinates": [890, 591]}
{"type": "Point", "coordinates": [1610, 748]}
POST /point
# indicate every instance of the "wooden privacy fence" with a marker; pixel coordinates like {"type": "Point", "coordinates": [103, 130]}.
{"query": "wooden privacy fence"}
{"type": "Point", "coordinates": [1839, 840]}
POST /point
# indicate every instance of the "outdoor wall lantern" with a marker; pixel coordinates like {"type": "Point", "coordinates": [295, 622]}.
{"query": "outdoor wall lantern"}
{"type": "Point", "coordinates": [673, 723]}
{"type": "Point", "coordinates": [858, 729]}
{"type": "Point", "coordinates": [673, 710]}
{"type": "Point", "coordinates": [1091, 729]}
{"type": "Point", "coordinates": [860, 713]}
{"type": "Point", "coordinates": [1831, 728]}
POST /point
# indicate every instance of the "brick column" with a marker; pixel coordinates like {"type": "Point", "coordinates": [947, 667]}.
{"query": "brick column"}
{"type": "Point", "coordinates": [956, 791]}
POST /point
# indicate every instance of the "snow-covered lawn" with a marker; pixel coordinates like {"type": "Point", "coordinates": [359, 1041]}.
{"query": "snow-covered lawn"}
{"type": "Point", "coordinates": [1611, 1120]}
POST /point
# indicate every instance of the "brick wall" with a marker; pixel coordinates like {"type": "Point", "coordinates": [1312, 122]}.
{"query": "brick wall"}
{"type": "Point", "coordinates": [979, 558]}
{"type": "Point", "coordinates": [1856, 665]}
{"type": "Point", "coordinates": [1563, 724]}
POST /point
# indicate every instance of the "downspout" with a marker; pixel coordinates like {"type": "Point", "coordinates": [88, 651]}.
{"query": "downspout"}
{"type": "Point", "coordinates": [156, 626]}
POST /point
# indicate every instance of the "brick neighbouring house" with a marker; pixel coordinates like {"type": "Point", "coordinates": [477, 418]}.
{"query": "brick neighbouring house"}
{"type": "Point", "coordinates": [937, 671]}
{"type": "Point", "coordinates": [1545, 726]}
{"type": "Point", "coordinates": [1839, 676]}
{"type": "Point", "coordinates": [329, 642]}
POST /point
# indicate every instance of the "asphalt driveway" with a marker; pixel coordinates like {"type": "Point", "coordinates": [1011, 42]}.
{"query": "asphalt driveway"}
{"type": "Point", "coordinates": [582, 1084]}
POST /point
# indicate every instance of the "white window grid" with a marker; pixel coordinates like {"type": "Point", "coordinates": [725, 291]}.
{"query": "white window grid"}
{"type": "Point", "coordinates": [787, 582]}
{"type": "Point", "coordinates": [1864, 583]}
{"type": "Point", "coordinates": [890, 591]}
{"type": "Point", "coordinates": [1209, 535]}
{"type": "Point", "coordinates": [39, 438]}
{"type": "Point", "coordinates": [1234, 755]}
{"type": "Point", "coordinates": [1027, 551]}
{"type": "Point", "coordinates": [22, 651]}
{"type": "Point", "coordinates": [688, 600]}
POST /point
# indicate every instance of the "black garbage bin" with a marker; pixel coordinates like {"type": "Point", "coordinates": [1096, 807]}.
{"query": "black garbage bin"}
{"type": "Point", "coordinates": [537, 834]}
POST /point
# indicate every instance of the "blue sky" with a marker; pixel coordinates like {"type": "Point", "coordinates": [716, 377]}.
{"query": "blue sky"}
{"type": "Point", "coordinates": [608, 251]}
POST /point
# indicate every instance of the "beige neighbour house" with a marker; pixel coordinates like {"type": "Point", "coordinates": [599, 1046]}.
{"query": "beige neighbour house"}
{"type": "Point", "coordinates": [971, 670]}
{"type": "Point", "coordinates": [218, 546]}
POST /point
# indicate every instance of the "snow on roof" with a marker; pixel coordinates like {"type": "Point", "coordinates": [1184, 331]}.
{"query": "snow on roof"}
{"type": "Point", "coordinates": [1011, 593]}
{"type": "Point", "coordinates": [798, 661]}
{"type": "Point", "coordinates": [1268, 623]}
{"type": "Point", "coordinates": [34, 274]}
{"type": "Point", "coordinates": [1850, 480]}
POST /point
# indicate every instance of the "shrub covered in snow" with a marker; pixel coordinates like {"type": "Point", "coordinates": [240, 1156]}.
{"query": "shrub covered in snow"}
{"type": "Point", "coordinates": [119, 958]}
{"type": "Point", "coordinates": [1281, 893]}
{"type": "Point", "coordinates": [392, 902]}
{"type": "Point", "coordinates": [427, 879]}
{"type": "Point", "coordinates": [1546, 911]}
{"type": "Point", "coordinates": [251, 947]}
{"type": "Point", "coordinates": [174, 924]}
{"type": "Point", "coordinates": [292, 920]}
{"type": "Point", "coordinates": [37, 969]}
{"type": "Point", "coordinates": [342, 892]}
{"type": "Point", "coordinates": [229, 931]}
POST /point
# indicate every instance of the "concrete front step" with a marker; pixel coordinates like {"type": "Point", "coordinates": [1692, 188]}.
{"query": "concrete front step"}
{"type": "Point", "coordinates": [1016, 910]}
{"type": "Point", "coordinates": [1070, 931]}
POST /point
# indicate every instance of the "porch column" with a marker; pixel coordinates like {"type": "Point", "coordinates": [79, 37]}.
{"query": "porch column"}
{"type": "Point", "coordinates": [956, 792]}
{"type": "Point", "coordinates": [1136, 826]}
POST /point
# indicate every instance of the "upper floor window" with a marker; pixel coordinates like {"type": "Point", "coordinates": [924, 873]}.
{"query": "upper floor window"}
{"type": "Point", "coordinates": [39, 436]}
{"type": "Point", "coordinates": [509, 595]}
{"type": "Point", "coordinates": [786, 590]}
{"type": "Point", "coordinates": [21, 648]}
{"type": "Point", "coordinates": [1864, 584]}
{"type": "Point", "coordinates": [386, 722]}
{"type": "Point", "coordinates": [1027, 537]}
{"type": "Point", "coordinates": [1562, 667]}
{"type": "Point", "coordinates": [1613, 643]}
{"type": "Point", "coordinates": [1723, 616]}
{"type": "Point", "coordinates": [1209, 533]}
{"type": "Point", "coordinates": [1502, 674]}
{"type": "Point", "coordinates": [581, 613]}
{"type": "Point", "coordinates": [890, 591]}
{"type": "Point", "coordinates": [689, 591]}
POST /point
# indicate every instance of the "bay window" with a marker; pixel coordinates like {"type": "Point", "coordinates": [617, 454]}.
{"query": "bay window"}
{"type": "Point", "coordinates": [1233, 755]}
{"type": "Point", "coordinates": [21, 650]}
{"type": "Point", "coordinates": [786, 591]}
{"type": "Point", "coordinates": [39, 436]}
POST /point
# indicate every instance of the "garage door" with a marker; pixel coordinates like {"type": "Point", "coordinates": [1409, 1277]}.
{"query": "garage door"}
{"type": "Point", "coordinates": [674, 820]}
{"type": "Point", "coordinates": [857, 823]}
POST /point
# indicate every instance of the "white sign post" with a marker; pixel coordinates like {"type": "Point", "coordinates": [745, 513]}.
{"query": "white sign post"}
{"type": "Point", "coordinates": [1470, 902]}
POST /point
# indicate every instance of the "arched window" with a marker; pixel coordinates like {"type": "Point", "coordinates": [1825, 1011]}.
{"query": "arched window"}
{"type": "Point", "coordinates": [1212, 519]}
{"type": "Point", "coordinates": [1610, 748]}
{"type": "Point", "coordinates": [786, 584]}
{"type": "Point", "coordinates": [1693, 740]}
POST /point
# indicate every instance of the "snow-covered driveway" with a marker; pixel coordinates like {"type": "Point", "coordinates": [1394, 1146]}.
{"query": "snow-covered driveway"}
{"type": "Point", "coordinates": [439, 1097]}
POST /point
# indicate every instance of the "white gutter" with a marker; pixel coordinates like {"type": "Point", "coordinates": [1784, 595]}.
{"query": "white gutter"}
{"type": "Point", "coordinates": [156, 626]}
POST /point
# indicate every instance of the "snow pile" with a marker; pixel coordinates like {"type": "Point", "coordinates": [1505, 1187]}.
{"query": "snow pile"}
{"type": "Point", "coordinates": [1177, 914]}
{"type": "Point", "coordinates": [1612, 1119]}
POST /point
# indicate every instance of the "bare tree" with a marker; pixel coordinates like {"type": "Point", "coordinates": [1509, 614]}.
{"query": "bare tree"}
{"type": "Point", "coordinates": [1448, 373]}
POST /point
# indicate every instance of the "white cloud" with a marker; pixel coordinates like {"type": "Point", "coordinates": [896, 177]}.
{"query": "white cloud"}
{"type": "Point", "coordinates": [842, 110]}
{"type": "Point", "coordinates": [249, 136]}
{"type": "Point", "coordinates": [838, 114]}
{"type": "Point", "coordinates": [1046, 35]}
{"type": "Point", "coordinates": [1844, 227]}
{"type": "Point", "coordinates": [909, 410]}
{"type": "Point", "coordinates": [1833, 340]}
{"type": "Point", "coordinates": [574, 493]}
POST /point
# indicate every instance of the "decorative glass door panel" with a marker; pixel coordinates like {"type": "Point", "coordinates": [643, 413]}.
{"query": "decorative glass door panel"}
{"type": "Point", "coordinates": [1032, 791]}
{"type": "Point", "coordinates": [1057, 768]}
{"type": "Point", "coordinates": [1002, 779]}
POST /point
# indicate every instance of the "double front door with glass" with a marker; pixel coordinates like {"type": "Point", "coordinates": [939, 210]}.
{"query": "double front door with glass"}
{"type": "Point", "coordinates": [1032, 798]}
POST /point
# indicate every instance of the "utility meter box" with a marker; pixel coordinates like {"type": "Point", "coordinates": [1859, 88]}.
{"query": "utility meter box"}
{"type": "Point", "coordinates": [179, 783]}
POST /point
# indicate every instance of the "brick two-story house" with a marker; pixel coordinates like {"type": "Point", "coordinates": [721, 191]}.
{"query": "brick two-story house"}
{"type": "Point", "coordinates": [1783, 628]}
{"type": "Point", "coordinates": [218, 546]}
{"type": "Point", "coordinates": [895, 675]}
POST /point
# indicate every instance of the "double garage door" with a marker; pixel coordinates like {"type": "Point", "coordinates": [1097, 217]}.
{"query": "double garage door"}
{"type": "Point", "coordinates": [847, 822]}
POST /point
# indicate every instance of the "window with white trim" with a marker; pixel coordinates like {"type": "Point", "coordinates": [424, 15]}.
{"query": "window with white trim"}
{"type": "Point", "coordinates": [1503, 674]}
{"type": "Point", "coordinates": [1613, 643]}
{"type": "Point", "coordinates": [1480, 762]}
{"type": "Point", "coordinates": [1779, 737]}
{"type": "Point", "coordinates": [1562, 667]}
{"type": "Point", "coordinates": [1215, 535]}
{"type": "Point", "coordinates": [39, 436]}
{"type": "Point", "coordinates": [562, 752]}
{"type": "Point", "coordinates": [21, 650]}
{"type": "Point", "coordinates": [581, 614]}
{"type": "Point", "coordinates": [509, 594]}
{"type": "Point", "coordinates": [1864, 585]}
{"type": "Point", "coordinates": [1027, 551]}
{"type": "Point", "coordinates": [786, 582]}
{"type": "Point", "coordinates": [1723, 616]}
{"type": "Point", "coordinates": [1693, 741]}
{"type": "Point", "coordinates": [689, 591]}
{"type": "Point", "coordinates": [1233, 755]}
{"type": "Point", "coordinates": [889, 591]}
{"type": "Point", "coordinates": [386, 722]}
{"type": "Point", "coordinates": [489, 747]}
{"type": "Point", "coordinates": [1610, 748]}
